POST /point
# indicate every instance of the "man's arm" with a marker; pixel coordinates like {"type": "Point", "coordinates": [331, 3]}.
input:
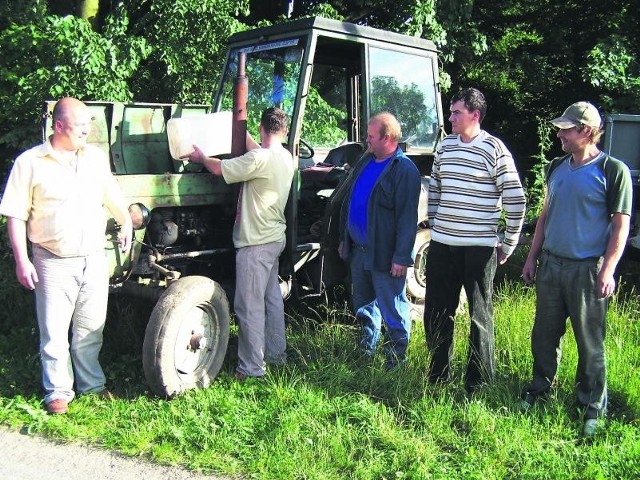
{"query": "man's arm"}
{"type": "Point", "coordinates": [25, 271]}
{"type": "Point", "coordinates": [513, 203]}
{"type": "Point", "coordinates": [530, 266]}
{"type": "Point", "coordinates": [121, 215]}
{"type": "Point", "coordinates": [407, 194]}
{"type": "Point", "coordinates": [210, 163]}
{"type": "Point", "coordinates": [116, 204]}
{"type": "Point", "coordinates": [433, 198]}
{"type": "Point", "coordinates": [615, 248]}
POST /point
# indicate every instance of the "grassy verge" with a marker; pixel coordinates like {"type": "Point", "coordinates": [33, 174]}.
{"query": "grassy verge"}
{"type": "Point", "coordinates": [329, 414]}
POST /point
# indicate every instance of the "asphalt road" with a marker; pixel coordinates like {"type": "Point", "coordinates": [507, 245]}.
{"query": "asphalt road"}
{"type": "Point", "coordinates": [30, 457]}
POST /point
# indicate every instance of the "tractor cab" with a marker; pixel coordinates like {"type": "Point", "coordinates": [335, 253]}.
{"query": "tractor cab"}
{"type": "Point", "coordinates": [330, 77]}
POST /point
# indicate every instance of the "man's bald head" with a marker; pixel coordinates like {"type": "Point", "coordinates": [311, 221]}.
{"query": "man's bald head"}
{"type": "Point", "coordinates": [71, 124]}
{"type": "Point", "coordinates": [67, 106]}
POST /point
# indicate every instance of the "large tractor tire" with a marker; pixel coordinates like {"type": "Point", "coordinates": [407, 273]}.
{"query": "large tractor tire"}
{"type": "Point", "coordinates": [186, 339]}
{"type": "Point", "coordinates": [416, 275]}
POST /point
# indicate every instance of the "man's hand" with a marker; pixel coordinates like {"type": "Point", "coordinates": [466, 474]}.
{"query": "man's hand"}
{"type": "Point", "coordinates": [398, 270]}
{"type": "Point", "coordinates": [529, 271]}
{"type": "Point", "coordinates": [340, 253]}
{"type": "Point", "coordinates": [26, 274]}
{"type": "Point", "coordinates": [197, 156]}
{"type": "Point", "coordinates": [210, 163]}
{"type": "Point", "coordinates": [125, 236]}
{"type": "Point", "coordinates": [606, 285]}
{"type": "Point", "coordinates": [502, 257]}
{"type": "Point", "coordinates": [25, 271]}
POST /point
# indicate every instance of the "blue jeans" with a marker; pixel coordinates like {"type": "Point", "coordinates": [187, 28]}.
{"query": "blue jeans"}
{"type": "Point", "coordinates": [567, 288]}
{"type": "Point", "coordinates": [449, 269]}
{"type": "Point", "coordinates": [378, 296]}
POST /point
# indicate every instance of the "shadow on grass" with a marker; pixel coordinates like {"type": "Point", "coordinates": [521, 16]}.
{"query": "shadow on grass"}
{"type": "Point", "coordinates": [20, 361]}
{"type": "Point", "coordinates": [621, 409]}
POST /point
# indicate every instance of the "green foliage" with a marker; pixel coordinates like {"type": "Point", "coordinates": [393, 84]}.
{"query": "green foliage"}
{"type": "Point", "coordinates": [322, 122]}
{"type": "Point", "coordinates": [529, 67]}
{"type": "Point", "coordinates": [66, 58]}
{"type": "Point", "coordinates": [17, 302]}
{"type": "Point", "coordinates": [21, 12]}
{"type": "Point", "coordinates": [325, 10]}
{"type": "Point", "coordinates": [188, 39]}
{"type": "Point", "coordinates": [406, 102]}
{"type": "Point", "coordinates": [613, 66]}
{"type": "Point", "coordinates": [424, 23]}
{"type": "Point", "coordinates": [390, 14]}
{"type": "Point", "coordinates": [536, 188]}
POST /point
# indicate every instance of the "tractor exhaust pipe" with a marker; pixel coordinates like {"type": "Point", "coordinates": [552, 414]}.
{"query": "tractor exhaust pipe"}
{"type": "Point", "coordinates": [240, 95]}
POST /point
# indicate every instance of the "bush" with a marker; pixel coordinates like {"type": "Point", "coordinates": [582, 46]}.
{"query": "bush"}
{"type": "Point", "coordinates": [16, 301]}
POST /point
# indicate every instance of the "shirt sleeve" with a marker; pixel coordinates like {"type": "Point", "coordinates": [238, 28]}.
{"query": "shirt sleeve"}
{"type": "Point", "coordinates": [17, 196]}
{"type": "Point", "coordinates": [407, 196]}
{"type": "Point", "coordinates": [513, 199]}
{"type": "Point", "coordinates": [619, 187]}
{"type": "Point", "coordinates": [433, 199]}
{"type": "Point", "coordinates": [242, 168]}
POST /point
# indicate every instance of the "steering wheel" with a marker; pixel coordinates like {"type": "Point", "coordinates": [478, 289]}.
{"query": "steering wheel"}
{"type": "Point", "coordinates": [305, 151]}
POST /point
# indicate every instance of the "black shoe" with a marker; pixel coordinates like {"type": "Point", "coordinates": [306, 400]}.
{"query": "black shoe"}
{"type": "Point", "coordinates": [435, 379]}
{"type": "Point", "coordinates": [526, 402]}
{"type": "Point", "coordinates": [473, 389]}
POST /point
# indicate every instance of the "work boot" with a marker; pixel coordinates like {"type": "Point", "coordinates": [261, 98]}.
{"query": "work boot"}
{"type": "Point", "coordinates": [57, 406]}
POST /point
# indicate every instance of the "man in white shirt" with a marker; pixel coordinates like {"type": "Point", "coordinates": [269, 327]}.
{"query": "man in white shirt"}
{"type": "Point", "coordinates": [55, 198]}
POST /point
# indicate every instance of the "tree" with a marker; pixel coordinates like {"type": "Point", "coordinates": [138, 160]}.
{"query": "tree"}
{"type": "Point", "coordinates": [47, 56]}
{"type": "Point", "coordinates": [532, 59]}
{"type": "Point", "coordinates": [172, 51]}
{"type": "Point", "coordinates": [188, 39]}
{"type": "Point", "coordinates": [406, 102]}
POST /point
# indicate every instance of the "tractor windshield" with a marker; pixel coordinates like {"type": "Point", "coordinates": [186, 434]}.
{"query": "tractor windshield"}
{"type": "Point", "coordinates": [273, 70]}
{"type": "Point", "coordinates": [406, 85]}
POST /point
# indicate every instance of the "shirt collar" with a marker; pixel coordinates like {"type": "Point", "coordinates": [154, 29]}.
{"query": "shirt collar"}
{"type": "Point", "coordinates": [48, 150]}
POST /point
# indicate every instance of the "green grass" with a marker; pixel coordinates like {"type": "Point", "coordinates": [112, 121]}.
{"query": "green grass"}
{"type": "Point", "coordinates": [329, 414]}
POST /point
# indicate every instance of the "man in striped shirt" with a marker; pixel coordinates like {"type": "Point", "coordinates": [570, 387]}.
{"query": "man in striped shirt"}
{"type": "Point", "coordinates": [473, 181]}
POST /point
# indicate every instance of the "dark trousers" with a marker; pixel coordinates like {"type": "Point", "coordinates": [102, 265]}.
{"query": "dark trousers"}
{"type": "Point", "coordinates": [567, 288]}
{"type": "Point", "coordinates": [449, 269]}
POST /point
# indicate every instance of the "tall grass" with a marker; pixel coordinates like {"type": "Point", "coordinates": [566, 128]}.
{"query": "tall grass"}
{"type": "Point", "coordinates": [331, 414]}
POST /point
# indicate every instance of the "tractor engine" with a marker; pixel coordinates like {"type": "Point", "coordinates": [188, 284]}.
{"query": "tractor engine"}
{"type": "Point", "coordinates": [188, 240]}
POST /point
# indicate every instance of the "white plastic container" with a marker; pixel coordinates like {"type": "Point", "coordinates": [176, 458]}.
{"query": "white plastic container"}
{"type": "Point", "coordinates": [210, 132]}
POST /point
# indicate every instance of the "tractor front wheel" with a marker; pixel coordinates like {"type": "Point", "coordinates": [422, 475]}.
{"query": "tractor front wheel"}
{"type": "Point", "coordinates": [186, 339]}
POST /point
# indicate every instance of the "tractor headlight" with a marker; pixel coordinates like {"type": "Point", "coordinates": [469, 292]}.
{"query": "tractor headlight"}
{"type": "Point", "coordinates": [139, 215]}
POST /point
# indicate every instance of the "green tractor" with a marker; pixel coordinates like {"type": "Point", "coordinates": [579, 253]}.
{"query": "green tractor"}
{"type": "Point", "coordinates": [329, 77]}
{"type": "Point", "coordinates": [622, 140]}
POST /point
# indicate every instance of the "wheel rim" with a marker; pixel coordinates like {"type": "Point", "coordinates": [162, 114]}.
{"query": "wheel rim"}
{"type": "Point", "coordinates": [196, 341]}
{"type": "Point", "coordinates": [417, 275]}
{"type": "Point", "coordinates": [420, 266]}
